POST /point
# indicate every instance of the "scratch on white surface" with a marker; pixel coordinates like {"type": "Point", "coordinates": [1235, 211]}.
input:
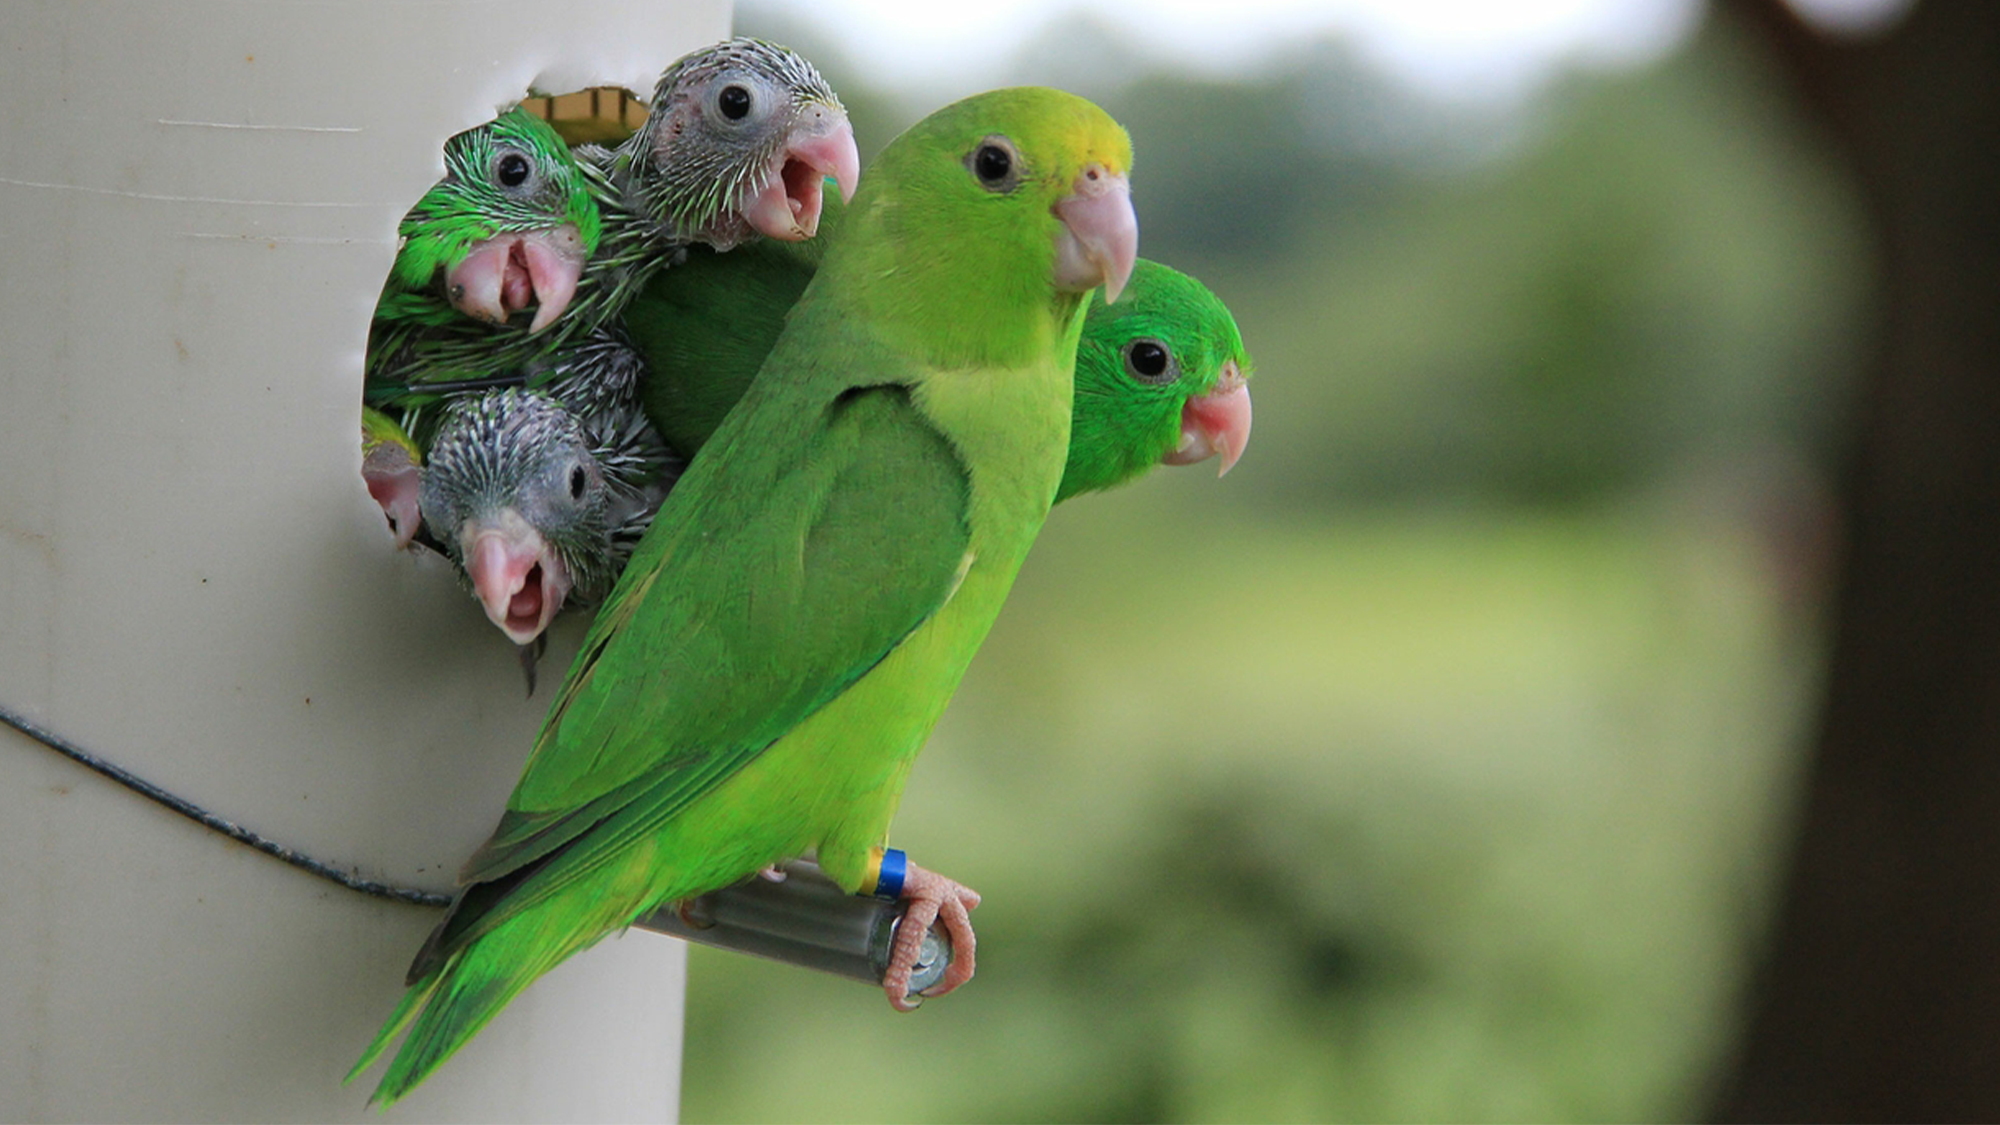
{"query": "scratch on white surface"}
{"type": "Point", "coordinates": [262, 128]}
{"type": "Point", "coordinates": [192, 198]}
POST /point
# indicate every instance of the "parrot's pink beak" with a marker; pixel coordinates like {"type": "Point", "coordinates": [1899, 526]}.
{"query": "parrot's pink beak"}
{"type": "Point", "coordinates": [395, 483]}
{"type": "Point", "coordinates": [508, 273]}
{"type": "Point", "coordinates": [1217, 422]}
{"type": "Point", "coordinates": [515, 576]}
{"type": "Point", "coordinates": [787, 207]}
{"type": "Point", "coordinates": [1100, 235]}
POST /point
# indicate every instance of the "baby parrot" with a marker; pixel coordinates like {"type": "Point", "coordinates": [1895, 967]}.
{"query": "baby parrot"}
{"type": "Point", "coordinates": [513, 495]}
{"type": "Point", "coordinates": [759, 680]}
{"type": "Point", "coordinates": [392, 467]}
{"type": "Point", "coordinates": [508, 228]}
{"type": "Point", "coordinates": [535, 503]}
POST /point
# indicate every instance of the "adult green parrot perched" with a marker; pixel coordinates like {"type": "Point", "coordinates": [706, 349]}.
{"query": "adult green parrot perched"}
{"type": "Point", "coordinates": [738, 141]}
{"type": "Point", "coordinates": [1160, 375]}
{"type": "Point", "coordinates": [761, 677]}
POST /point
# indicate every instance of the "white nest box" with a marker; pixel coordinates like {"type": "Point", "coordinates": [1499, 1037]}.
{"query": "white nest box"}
{"type": "Point", "coordinates": [199, 204]}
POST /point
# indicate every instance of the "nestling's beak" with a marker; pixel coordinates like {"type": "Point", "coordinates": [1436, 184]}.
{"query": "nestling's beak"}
{"type": "Point", "coordinates": [1100, 235]}
{"type": "Point", "coordinates": [821, 146]}
{"type": "Point", "coordinates": [1217, 422]}
{"type": "Point", "coordinates": [396, 483]}
{"type": "Point", "coordinates": [519, 581]}
{"type": "Point", "coordinates": [507, 273]}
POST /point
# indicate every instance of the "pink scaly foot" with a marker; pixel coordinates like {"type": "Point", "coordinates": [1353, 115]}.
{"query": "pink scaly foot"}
{"type": "Point", "coordinates": [932, 897]}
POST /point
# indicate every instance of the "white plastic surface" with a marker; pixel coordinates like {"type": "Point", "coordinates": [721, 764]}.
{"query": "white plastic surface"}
{"type": "Point", "coordinates": [197, 205]}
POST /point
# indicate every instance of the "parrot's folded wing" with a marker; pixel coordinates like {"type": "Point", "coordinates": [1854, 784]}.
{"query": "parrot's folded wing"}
{"type": "Point", "coordinates": [710, 649]}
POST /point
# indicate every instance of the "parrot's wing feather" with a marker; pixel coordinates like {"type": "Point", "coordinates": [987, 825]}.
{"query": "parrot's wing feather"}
{"type": "Point", "coordinates": [710, 649]}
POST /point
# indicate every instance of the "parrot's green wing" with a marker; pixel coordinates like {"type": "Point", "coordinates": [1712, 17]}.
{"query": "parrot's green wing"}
{"type": "Point", "coordinates": [706, 325]}
{"type": "Point", "coordinates": [846, 548]}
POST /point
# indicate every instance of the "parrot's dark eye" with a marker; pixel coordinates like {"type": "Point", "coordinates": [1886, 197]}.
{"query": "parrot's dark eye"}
{"type": "Point", "coordinates": [512, 171]}
{"type": "Point", "coordinates": [1150, 361]}
{"type": "Point", "coordinates": [994, 164]}
{"type": "Point", "coordinates": [733, 101]}
{"type": "Point", "coordinates": [577, 480]}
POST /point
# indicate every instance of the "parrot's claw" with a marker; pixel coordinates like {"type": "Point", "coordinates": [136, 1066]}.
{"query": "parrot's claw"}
{"type": "Point", "coordinates": [931, 898]}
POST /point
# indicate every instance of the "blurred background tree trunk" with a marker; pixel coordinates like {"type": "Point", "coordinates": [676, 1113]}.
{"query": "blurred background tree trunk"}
{"type": "Point", "coordinates": [1879, 994]}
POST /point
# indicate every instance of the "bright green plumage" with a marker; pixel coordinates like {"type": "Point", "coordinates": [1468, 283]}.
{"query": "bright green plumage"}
{"type": "Point", "coordinates": [1129, 413]}
{"type": "Point", "coordinates": [474, 202]}
{"type": "Point", "coordinates": [706, 326]}
{"type": "Point", "coordinates": [794, 622]}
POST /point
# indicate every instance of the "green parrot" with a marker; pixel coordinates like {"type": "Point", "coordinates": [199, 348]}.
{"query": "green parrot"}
{"type": "Point", "coordinates": [1161, 378]}
{"type": "Point", "coordinates": [760, 678]}
{"type": "Point", "coordinates": [738, 141]}
{"type": "Point", "coordinates": [510, 226]}
{"type": "Point", "coordinates": [1160, 375]}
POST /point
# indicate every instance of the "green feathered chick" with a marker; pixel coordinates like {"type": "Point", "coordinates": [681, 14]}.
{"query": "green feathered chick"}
{"type": "Point", "coordinates": [507, 229]}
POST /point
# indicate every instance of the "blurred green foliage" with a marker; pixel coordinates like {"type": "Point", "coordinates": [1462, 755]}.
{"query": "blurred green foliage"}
{"type": "Point", "coordinates": [1428, 766]}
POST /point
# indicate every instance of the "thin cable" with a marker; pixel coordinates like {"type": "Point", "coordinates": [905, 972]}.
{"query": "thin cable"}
{"type": "Point", "coordinates": [412, 895]}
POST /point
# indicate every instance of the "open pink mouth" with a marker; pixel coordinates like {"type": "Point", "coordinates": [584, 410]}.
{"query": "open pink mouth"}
{"type": "Point", "coordinates": [512, 273]}
{"type": "Point", "coordinates": [524, 609]}
{"type": "Point", "coordinates": [516, 578]}
{"type": "Point", "coordinates": [517, 285]}
{"type": "Point", "coordinates": [788, 205]}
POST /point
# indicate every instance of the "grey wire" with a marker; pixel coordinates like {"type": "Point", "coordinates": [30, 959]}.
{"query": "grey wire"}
{"type": "Point", "coordinates": [412, 895]}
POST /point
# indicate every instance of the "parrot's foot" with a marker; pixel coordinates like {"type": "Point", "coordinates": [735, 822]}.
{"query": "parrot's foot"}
{"type": "Point", "coordinates": [772, 874]}
{"type": "Point", "coordinates": [931, 897]}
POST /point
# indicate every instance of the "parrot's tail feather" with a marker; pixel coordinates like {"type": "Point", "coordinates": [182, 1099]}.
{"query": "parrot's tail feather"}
{"type": "Point", "coordinates": [399, 1019]}
{"type": "Point", "coordinates": [463, 997]}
